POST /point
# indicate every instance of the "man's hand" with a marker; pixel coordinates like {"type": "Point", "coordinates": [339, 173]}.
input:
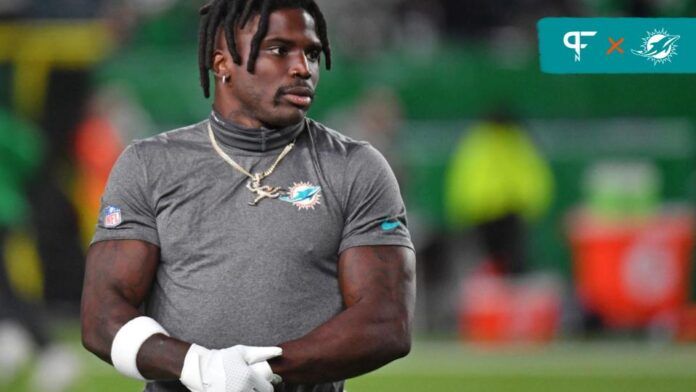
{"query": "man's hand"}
{"type": "Point", "coordinates": [234, 369]}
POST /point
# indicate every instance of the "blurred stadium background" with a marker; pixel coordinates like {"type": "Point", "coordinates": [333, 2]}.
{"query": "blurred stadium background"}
{"type": "Point", "coordinates": [553, 215]}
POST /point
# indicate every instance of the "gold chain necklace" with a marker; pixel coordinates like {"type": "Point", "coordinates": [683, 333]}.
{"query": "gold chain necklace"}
{"type": "Point", "coordinates": [254, 183]}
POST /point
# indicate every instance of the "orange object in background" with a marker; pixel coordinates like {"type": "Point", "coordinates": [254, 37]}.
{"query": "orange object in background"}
{"type": "Point", "coordinates": [97, 147]}
{"type": "Point", "coordinates": [632, 273]}
{"type": "Point", "coordinates": [501, 310]}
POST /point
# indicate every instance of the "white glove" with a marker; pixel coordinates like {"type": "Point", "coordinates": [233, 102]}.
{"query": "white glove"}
{"type": "Point", "coordinates": [234, 369]}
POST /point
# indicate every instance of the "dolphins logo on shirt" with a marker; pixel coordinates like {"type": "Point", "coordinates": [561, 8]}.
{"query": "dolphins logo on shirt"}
{"type": "Point", "coordinates": [303, 195]}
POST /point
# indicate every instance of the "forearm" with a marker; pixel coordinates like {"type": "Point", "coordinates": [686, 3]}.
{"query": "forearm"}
{"type": "Point", "coordinates": [118, 277]}
{"type": "Point", "coordinates": [378, 288]}
{"type": "Point", "coordinates": [162, 358]}
{"type": "Point", "coordinates": [354, 342]}
{"type": "Point", "coordinates": [159, 358]}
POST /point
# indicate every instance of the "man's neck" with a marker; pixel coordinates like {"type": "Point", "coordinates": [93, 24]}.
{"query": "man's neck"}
{"type": "Point", "coordinates": [235, 116]}
{"type": "Point", "coordinates": [258, 139]}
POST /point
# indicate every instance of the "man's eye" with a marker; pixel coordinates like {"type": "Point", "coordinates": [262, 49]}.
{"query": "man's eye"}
{"type": "Point", "coordinates": [313, 55]}
{"type": "Point", "coordinates": [278, 50]}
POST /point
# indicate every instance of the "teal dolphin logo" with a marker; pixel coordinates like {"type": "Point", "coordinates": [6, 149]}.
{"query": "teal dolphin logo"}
{"type": "Point", "coordinates": [389, 225]}
{"type": "Point", "coordinates": [303, 195]}
{"type": "Point", "coordinates": [658, 47]}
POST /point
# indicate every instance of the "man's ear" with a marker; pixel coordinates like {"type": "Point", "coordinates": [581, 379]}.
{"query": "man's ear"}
{"type": "Point", "coordinates": [220, 63]}
{"type": "Point", "coordinates": [223, 64]}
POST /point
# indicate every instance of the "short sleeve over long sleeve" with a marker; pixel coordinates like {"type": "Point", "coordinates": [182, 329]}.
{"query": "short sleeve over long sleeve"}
{"type": "Point", "coordinates": [374, 210]}
{"type": "Point", "coordinates": [126, 210]}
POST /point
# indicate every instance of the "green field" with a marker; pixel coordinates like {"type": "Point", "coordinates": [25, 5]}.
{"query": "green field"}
{"type": "Point", "coordinates": [451, 366]}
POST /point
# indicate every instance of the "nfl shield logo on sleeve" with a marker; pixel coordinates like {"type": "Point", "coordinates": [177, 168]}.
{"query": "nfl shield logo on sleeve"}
{"type": "Point", "coordinates": [112, 216]}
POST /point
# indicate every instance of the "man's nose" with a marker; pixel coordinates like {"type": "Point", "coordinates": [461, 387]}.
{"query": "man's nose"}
{"type": "Point", "coordinates": [300, 66]}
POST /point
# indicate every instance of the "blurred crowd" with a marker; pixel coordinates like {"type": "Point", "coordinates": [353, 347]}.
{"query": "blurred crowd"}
{"type": "Point", "coordinates": [362, 25]}
{"type": "Point", "coordinates": [60, 132]}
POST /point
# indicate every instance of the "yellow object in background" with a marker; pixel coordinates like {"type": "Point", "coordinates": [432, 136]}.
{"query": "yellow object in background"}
{"type": "Point", "coordinates": [23, 266]}
{"type": "Point", "coordinates": [35, 48]}
{"type": "Point", "coordinates": [495, 171]}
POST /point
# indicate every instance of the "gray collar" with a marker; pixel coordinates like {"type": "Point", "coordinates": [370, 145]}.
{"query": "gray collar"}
{"type": "Point", "coordinates": [253, 139]}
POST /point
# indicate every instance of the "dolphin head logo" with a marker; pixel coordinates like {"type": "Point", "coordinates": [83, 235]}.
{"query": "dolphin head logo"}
{"type": "Point", "coordinates": [303, 195]}
{"type": "Point", "coordinates": [658, 46]}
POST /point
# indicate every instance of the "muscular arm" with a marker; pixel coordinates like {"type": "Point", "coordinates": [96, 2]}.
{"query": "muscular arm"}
{"type": "Point", "coordinates": [378, 288]}
{"type": "Point", "coordinates": [118, 276]}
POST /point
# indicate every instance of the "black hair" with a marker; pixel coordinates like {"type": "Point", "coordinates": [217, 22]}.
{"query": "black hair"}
{"type": "Point", "coordinates": [230, 14]}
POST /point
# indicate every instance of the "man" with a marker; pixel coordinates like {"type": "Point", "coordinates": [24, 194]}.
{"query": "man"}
{"type": "Point", "coordinates": [262, 246]}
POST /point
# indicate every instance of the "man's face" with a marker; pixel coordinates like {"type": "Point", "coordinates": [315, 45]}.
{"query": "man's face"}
{"type": "Point", "coordinates": [281, 89]}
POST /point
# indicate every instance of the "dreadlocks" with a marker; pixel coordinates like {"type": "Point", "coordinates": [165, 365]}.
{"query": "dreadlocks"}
{"type": "Point", "coordinates": [232, 13]}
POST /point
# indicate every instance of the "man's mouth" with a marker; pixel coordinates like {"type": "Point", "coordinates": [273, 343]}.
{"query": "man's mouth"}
{"type": "Point", "coordinates": [299, 96]}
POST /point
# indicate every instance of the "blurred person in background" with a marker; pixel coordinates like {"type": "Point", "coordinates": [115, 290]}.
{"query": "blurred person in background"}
{"type": "Point", "coordinates": [53, 96]}
{"type": "Point", "coordinates": [496, 183]}
{"type": "Point", "coordinates": [22, 330]}
{"type": "Point", "coordinates": [52, 82]}
{"type": "Point", "coordinates": [51, 77]}
{"type": "Point", "coordinates": [59, 44]}
{"type": "Point", "coordinates": [189, 242]}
